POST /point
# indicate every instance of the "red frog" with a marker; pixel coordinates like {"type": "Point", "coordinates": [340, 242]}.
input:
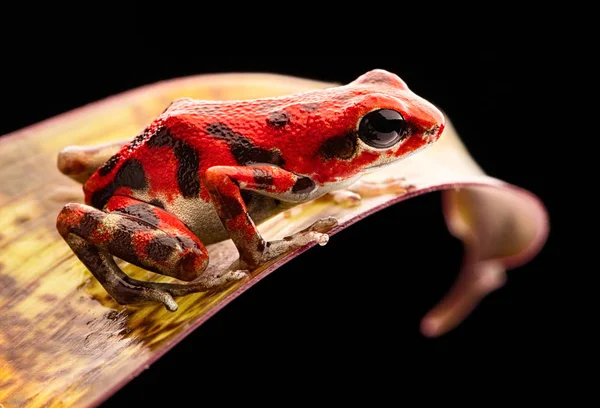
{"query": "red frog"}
{"type": "Point", "coordinates": [206, 171]}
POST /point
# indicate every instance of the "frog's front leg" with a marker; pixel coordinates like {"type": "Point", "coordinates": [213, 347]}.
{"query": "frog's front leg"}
{"type": "Point", "coordinates": [143, 235]}
{"type": "Point", "coordinates": [352, 196]}
{"type": "Point", "coordinates": [224, 184]}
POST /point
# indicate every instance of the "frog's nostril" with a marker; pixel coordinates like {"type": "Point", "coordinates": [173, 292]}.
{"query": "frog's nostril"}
{"type": "Point", "coordinates": [440, 130]}
{"type": "Point", "coordinates": [433, 133]}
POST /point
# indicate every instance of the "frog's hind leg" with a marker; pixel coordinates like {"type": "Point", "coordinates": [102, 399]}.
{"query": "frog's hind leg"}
{"type": "Point", "coordinates": [146, 236]}
{"type": "Point", "coordinates": [117, 284]}
{"type": "Point", "coordinates": [80, 162]}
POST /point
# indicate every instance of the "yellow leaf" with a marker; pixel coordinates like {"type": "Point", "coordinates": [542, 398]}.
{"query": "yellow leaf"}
{"type": "Point", "coordinates": [63, 340]}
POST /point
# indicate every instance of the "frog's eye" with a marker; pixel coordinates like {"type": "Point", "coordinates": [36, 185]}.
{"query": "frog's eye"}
{"type": "Point", "coordinates": [382, 128]}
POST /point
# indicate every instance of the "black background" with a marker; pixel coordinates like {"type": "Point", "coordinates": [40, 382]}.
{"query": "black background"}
{"type": "Point", "coordinates": [343, 319]}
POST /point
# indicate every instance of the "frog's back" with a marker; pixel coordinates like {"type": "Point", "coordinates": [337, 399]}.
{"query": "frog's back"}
{"type": "Point", "coordinates": [168, 158]}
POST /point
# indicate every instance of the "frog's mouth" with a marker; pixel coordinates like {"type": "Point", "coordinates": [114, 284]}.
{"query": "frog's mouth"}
{"type": "Point", "coordinates": [432, 134]}
{"type": "Point", "coordinates": [377, 166]}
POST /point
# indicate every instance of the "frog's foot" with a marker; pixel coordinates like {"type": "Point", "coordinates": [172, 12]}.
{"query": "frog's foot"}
{"type": "Point", "coordinates": [345, 198]}
{"type": "Point", "coordinates": [119, 286]}
{"type": "Point", "coordinates": [316, 233]}
{"type": "Point", "coordinates": [352, 197]}
{"type": "Point", "coordinates": [202, 284]}
{"type": "Point", "coordinates": [392, 185]}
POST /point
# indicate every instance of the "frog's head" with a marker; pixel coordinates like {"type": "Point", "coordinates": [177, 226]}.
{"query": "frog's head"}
{"type": "Point", "coordinates": [378, 121]}
{"type": "Point", "coordinates": [393, 122]}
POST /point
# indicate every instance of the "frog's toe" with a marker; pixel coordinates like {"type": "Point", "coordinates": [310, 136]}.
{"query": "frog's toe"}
{"type": "Point", "coordinates": [314, 234]}
{"type": "Point", "coordinates": [323, 225]}
{"type": "Point", "coordinates": [345, 198]}
{"type": "Point", "coordinates": [170, 304]}
{"type": "Point", "coordinates": [234, 276]}
{"type": "Point", "coordinates": [225, 279]}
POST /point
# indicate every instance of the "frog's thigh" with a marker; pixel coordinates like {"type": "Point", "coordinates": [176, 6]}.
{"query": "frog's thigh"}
{"type": "Point", "coordinates": [148, 236]}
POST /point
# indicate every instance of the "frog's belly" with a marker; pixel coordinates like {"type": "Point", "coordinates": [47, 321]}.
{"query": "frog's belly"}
{"type": "Point", "coordinates": [202, 219]}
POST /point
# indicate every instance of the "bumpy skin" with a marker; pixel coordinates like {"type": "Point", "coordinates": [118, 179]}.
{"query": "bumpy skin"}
{"type": "Point", "coordinates": [205, 171]}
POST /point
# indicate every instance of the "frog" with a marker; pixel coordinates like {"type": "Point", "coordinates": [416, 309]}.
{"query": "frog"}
{"type": "Point", "coordinates": [206, 171]}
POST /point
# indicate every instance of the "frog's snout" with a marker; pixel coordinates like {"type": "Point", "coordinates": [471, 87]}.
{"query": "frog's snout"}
{"type": "Point", "coordinates": [433, 133]}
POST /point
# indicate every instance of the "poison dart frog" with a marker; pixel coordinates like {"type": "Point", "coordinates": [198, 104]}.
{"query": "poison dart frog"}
{"type": "Point", "coordinates": [207, 171]}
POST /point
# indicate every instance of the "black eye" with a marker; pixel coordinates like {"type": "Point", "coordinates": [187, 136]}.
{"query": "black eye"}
{"type": "Point", "coordinates": [382, 128]}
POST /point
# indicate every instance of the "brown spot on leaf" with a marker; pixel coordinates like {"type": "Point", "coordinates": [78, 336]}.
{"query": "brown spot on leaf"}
{"type": "Point", "coordinates": [22, 218]}
{"type": "Point", "coordinates": [8, 284]}
{"type": "Point", "coordinates": [49, 297]}
{"type": "Point", "coordinates": [6, 382]}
